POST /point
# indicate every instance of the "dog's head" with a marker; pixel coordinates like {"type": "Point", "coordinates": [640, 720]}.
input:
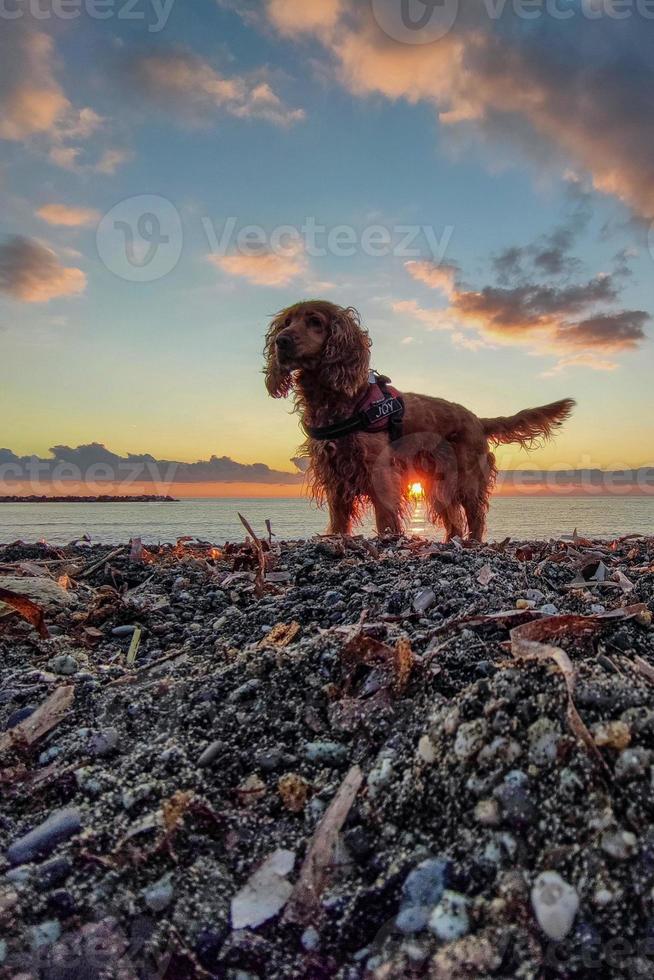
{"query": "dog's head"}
{"type": "Point", "coordinates": [317, 336]}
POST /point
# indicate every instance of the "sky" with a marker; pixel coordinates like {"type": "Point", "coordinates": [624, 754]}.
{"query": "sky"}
{"type": "Point", "coordinates": [476, 178]}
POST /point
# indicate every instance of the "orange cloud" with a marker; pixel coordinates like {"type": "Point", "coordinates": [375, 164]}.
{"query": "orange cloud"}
{"type": "Point", "coordinates": [265, 268]}
{"type": "Point", "coordinates": [32, 273]}
{"type": "Point", "coordinates": [300, 17]}
{"type": "Point", "coordinates": [505, 81]}
{"type": "Point", "coordinates": [193, 86]}
{"type": "Point", "coordinates": [66, 216]}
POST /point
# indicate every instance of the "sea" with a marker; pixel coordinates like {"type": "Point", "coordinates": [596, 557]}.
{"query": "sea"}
{"type": "Point", "coordinates": [217, 521]}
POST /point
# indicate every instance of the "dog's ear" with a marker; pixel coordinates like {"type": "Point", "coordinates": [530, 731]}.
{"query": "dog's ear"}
{"type": "Point", "coordinates": [278, 380]}
{"type": "Point", "coordinates": [347, 353]}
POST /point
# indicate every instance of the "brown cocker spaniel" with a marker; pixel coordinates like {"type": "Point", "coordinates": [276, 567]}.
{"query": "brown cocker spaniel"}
{"type": "Point", "coordinates": [320, 353]}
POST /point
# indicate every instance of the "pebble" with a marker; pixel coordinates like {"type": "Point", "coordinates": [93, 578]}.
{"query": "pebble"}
{"type": "Point", "coordinates": [20, 715]}
{"type": "Point", "coordinates": [470, 738]}
{"type": "Point", "coordinates": [449, 920]}
{"type": "Point", "coordinates": [544, 736]}
{"type": "Point", "coordinates": [555, 904]}
{"type": "Point", "coordinates": [64, 665]}
{"type": "Point", "coordinates": [132, 797]}
{"type": "Point", "coordinates": [525, 604]}
{"type": "Point", "coordinates": [381, 774]}
{"type": "Point", "coordinates": [611, 734]}
{"type": "Point", "coordinates": [121, 631]}
{"type": "Point", "coordinates": [632, 763]}
{"type": "Point", "coordinates": [327, 753]}
{"type": "Point", "coordinates": [211, 753]}
{"type": "Point", "coordinates": [44, 934]}
{"type": "Point", "coordinates": [427, 882]}
{"type": "Point", "coordinates": [513, 796]}
{"type": "Point", "coordinates": [246, 691]}
{"type": "Point", "coordinates": [103, 743]}
{"type": "Point", "coordinates": [54, 872]}
{"type": "Point", "coordinates": [549, 609]}
{"type": "Point", "coordinates": [487, 813]}
{"type": "Point", "coordinates": [426, 750]}
{"type": "Point", "coordinates": [59, 827]}
{"type": "Point", "coordinates": [3, 950]}
{"type": "Point", "coordinates": [619, 844]}
{"type": "Point", "coordinates": [159, 895]}
{"type": "Point", "coordinates": [424, 601]}
{"type": "Point", "coordinates": [310, 939]}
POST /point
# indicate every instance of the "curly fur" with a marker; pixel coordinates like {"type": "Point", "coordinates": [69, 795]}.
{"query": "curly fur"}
{"type": "Point", "coordinates": [319, 352]}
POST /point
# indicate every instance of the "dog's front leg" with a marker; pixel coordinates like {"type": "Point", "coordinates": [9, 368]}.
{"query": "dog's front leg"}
{"type": "Point", "coordinates": [341, 509]}
{"type": "Point", "coordinates": [387, 500]}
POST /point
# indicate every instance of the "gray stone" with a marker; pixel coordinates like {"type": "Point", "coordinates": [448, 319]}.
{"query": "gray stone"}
{"type": "Point", "coordinates": [59, 827]}
{"type": "Point", "coordinates": [159, 895]}
{"type": "Point", "coordinates": [327, 753]}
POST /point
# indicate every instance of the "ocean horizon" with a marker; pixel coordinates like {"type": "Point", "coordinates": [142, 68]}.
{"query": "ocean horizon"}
{"type": "Point", "coordinates": [216, 519]}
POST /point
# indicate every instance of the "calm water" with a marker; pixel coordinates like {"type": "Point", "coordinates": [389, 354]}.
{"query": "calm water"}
{"type": "Point", "coordinates": [217, 521]}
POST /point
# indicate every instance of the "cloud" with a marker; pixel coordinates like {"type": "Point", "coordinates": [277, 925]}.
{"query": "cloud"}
{"type": "Point", "coordinates": [436, 275]}
{"type": "Point", "coordinates": [34, 108]}
{"type": "Point", "coordinates": [95, 463]}
{"type": "Point", "coordinates": [67, 216]}
{"type": "Point", "coordinates": [265, 268]}
{"type": "Point", "coordinates": [292, 18]}
{"type": "Point", "coordinates": [193, 87]}
{"type": "Point", "coordinates": [507, 78]}
{"type": "Point", "coordinates": [31, 100]}
{"type": "Point", "coordinates": [535, 304]}
{"type": "Point", "coordinates": [32, 273]}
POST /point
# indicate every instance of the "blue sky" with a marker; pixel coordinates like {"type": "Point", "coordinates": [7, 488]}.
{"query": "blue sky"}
{"type": "Point", "coordinates": [284, 111]}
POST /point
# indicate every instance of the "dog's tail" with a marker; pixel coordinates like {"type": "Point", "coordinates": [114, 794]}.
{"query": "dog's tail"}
{"type": "Point", "coordinates": [530, 424]}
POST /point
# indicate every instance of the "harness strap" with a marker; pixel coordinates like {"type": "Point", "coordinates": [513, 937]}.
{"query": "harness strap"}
{"type": "Point", "coordinates": [373, 416]}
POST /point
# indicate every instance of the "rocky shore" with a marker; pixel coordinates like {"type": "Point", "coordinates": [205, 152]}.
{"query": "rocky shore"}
{"type": "Point", "coordinates": [332, 758]}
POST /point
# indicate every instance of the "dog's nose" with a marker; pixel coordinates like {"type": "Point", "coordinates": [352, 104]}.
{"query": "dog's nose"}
{"type": "Point", "coordinates": [284, 344]}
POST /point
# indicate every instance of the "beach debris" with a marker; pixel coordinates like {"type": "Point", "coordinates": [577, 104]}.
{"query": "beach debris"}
{"type": "Point", "coordinates": [523, 647]}
{"type": "Point", "coordinates": [281, 635]}
{"type": "Point", "coordinates": [130, 660]}
{"type": "Point", "coordinates": [294, 791]}
{"type": "Point", "coordinates": [555, 904]}
{"type": "Point", "coordinates": [12, 602]}
{"type": "Point", "coordinates": [397, 662]}
{"type": "Point", "coordinates": [486, 575]}
{"type": "Point", "coordinates": [265, 893]}
{"type": "Point", "coordinates": [317, 866]}
{"type": "Point", "coordinates": [39, 722]}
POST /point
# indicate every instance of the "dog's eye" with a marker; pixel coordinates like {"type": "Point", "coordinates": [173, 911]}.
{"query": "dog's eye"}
{"type": "Point", "coordinates": [315, 322]}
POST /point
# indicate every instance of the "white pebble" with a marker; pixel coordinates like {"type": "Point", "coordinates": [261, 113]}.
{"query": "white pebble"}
{"type": "Point", "coordinates": [555, 904]}
{"type": "Point", "coordinates": [449, 920]}
{"type": "Point", "coordinates": [426, 750]}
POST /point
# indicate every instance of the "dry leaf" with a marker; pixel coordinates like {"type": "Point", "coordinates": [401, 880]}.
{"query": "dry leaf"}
{"type": "Point", "coordinates": [281, 635]}
{"type": "Point", "coordinates": [26, 609]}
{"type": "Point", "coordinates": [304, 902]}
{"type": "Point", "coordinates": [527, 649]}
{"type": "Point", "coordinates": [486, 575]}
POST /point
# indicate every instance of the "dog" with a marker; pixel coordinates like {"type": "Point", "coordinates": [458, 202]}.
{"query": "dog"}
{"type": "Point", "coordinates": [319, 352]}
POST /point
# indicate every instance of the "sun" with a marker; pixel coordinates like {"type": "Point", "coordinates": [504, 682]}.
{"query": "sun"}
{"type": "Point", "coordinates": [416, 491]}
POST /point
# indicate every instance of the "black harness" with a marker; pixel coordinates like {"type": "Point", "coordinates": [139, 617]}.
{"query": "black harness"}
{"type": "Point", "coordinates": [381, 409]}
